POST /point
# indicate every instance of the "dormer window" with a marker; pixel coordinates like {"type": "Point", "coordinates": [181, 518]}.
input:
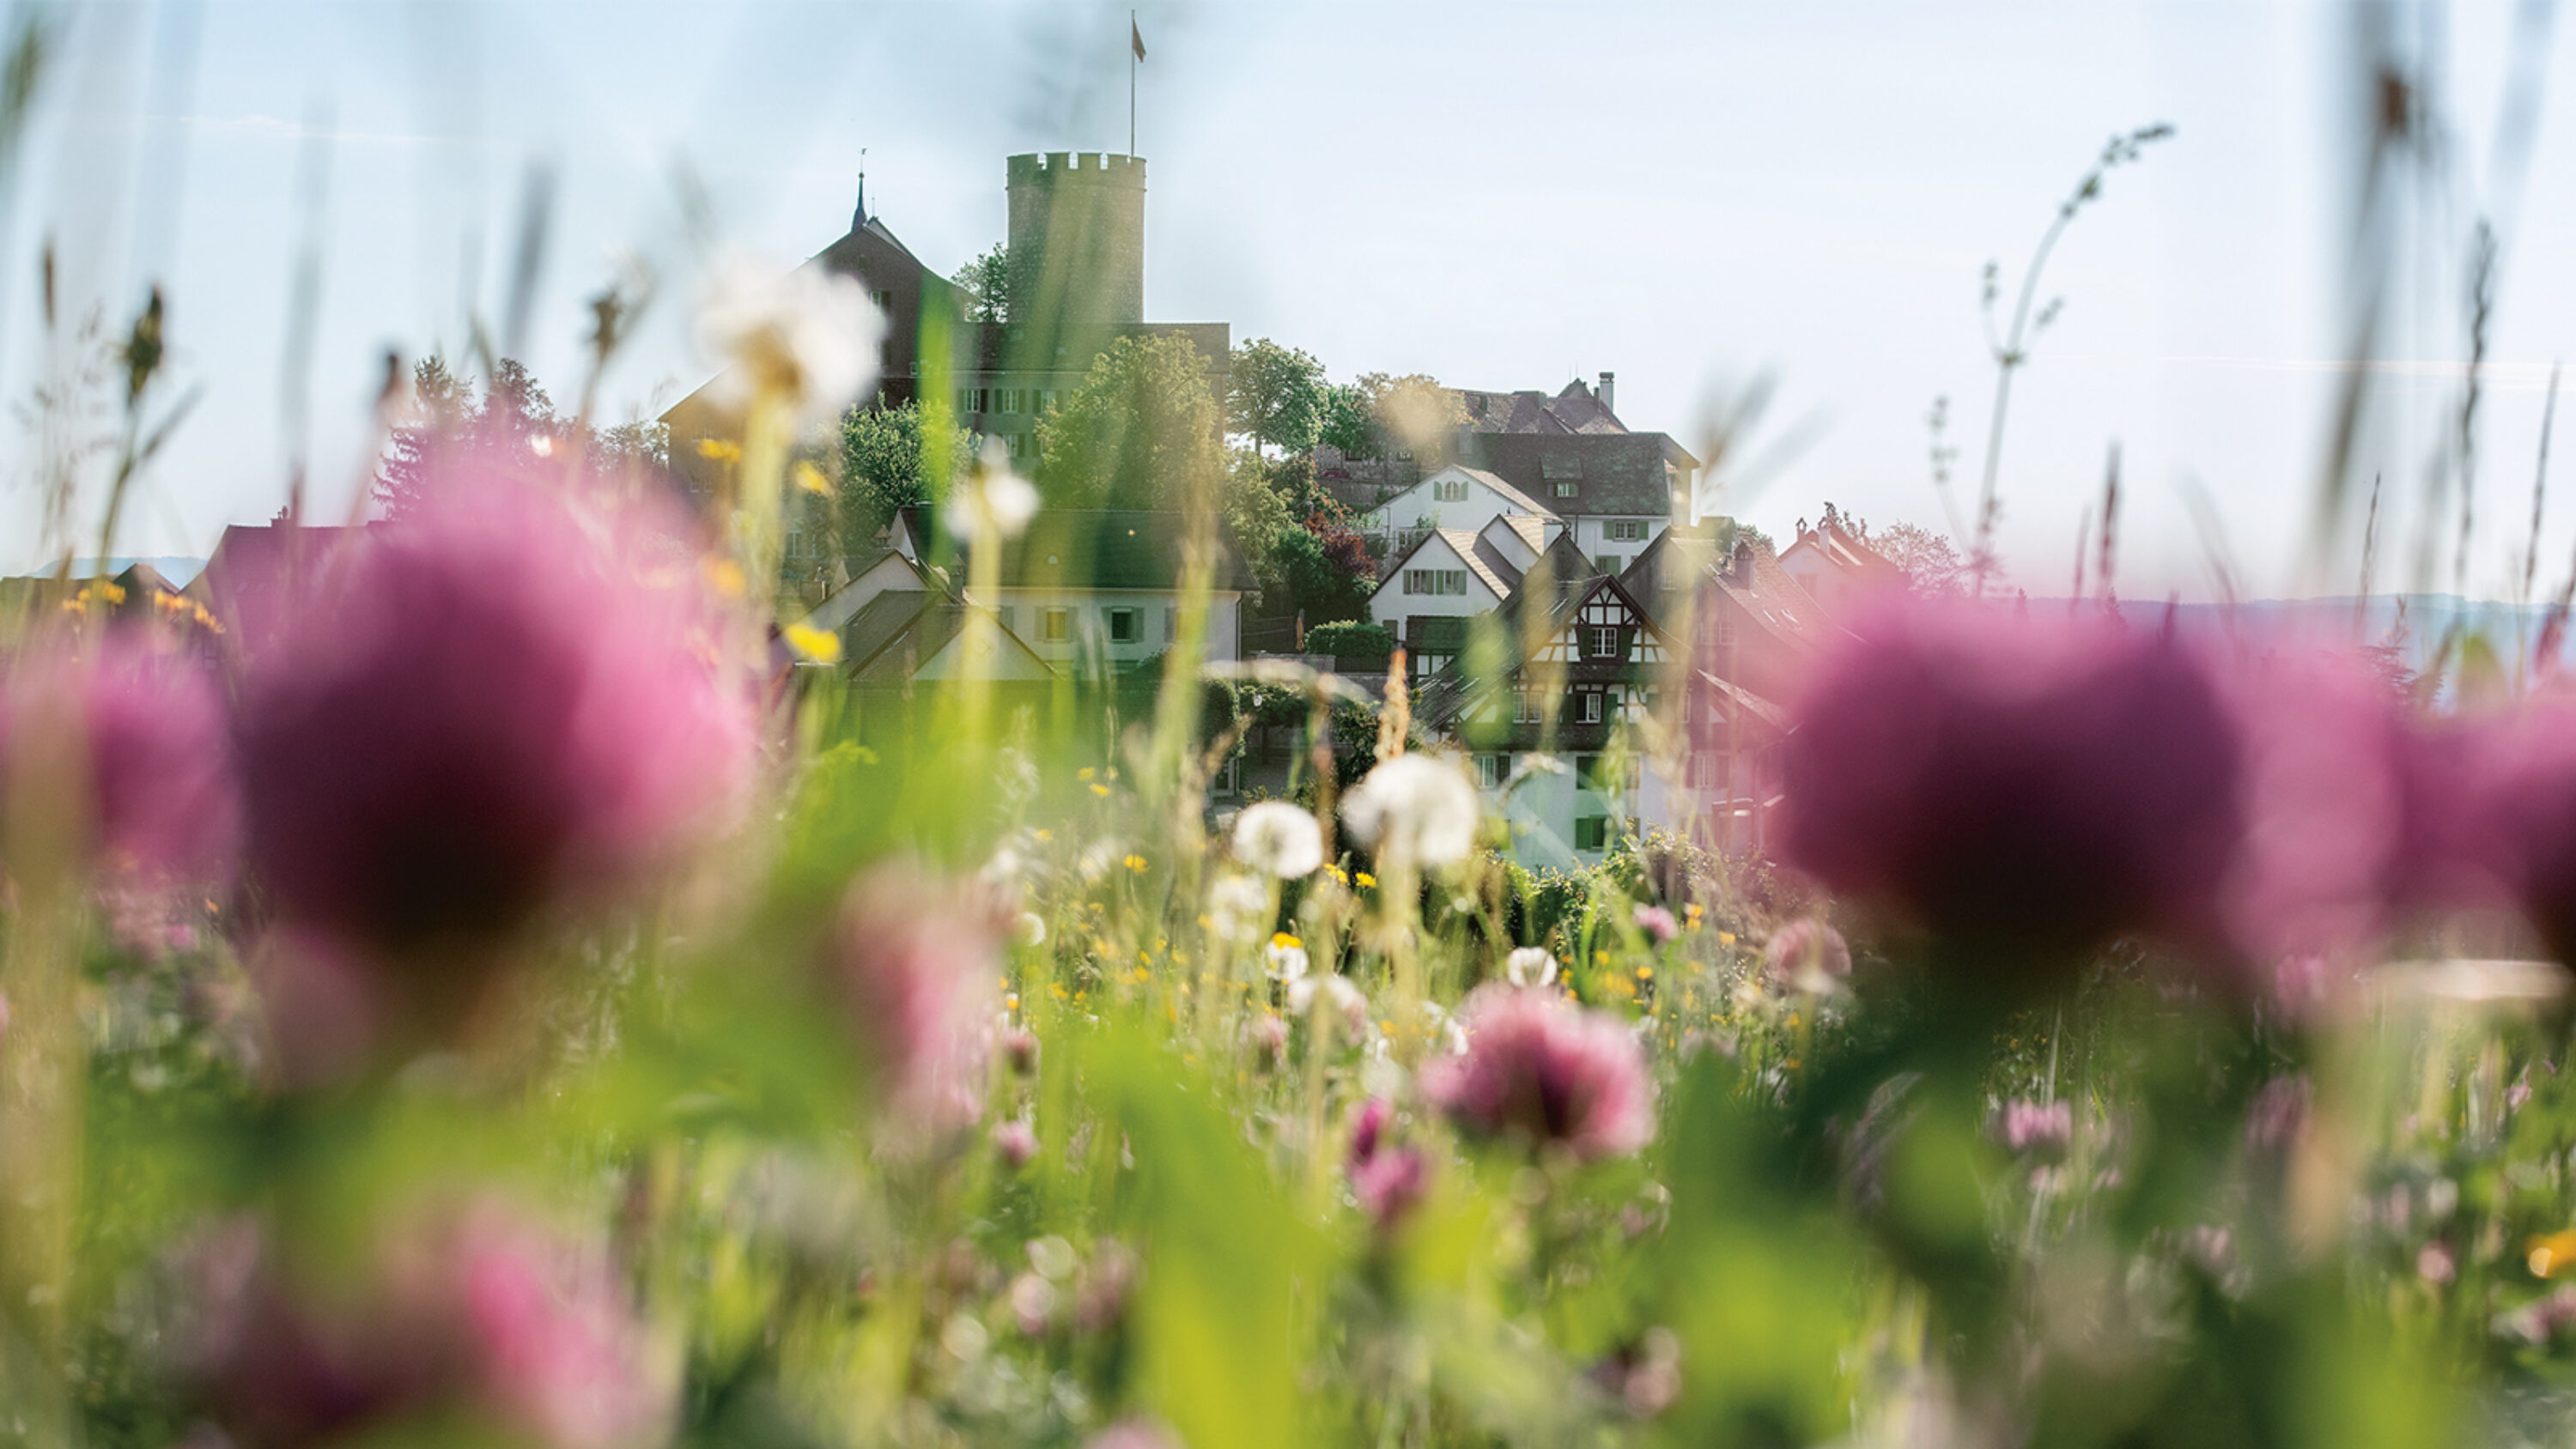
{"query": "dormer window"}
{"type": "Point", "coordinates": [1605, 641]}
{"type": "Point", "coordinates": [1449, 490]}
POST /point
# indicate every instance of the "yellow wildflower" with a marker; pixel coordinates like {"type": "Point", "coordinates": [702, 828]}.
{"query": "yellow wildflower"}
{"type": "Point", "coordinates": [820, 645]}
{"type": "Point", "coordinates": [721, 450]}
{"type": "Point", "coordinates": [810, 478]}
{"type": "Point", "coordinates": [1135, 863]}
{"type": "Point", "coordinates": [2550, 1256]}
{"type": "Point", "coordinates": [1100, 790]}
{"type": "Point", "coordinates": [725, 577]}
{"type": "Point", "coordinates": [1285, 942]}
{"type": "Point", "coordinates": [1367, 881]}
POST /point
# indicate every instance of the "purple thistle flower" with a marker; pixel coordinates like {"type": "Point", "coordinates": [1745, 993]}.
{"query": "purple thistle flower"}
{"type": "Point", "coordinates": [2038, 1130]}
{"type": "Point", "coordinates": [1543, 1069]}
{"type": "Point", "coordinates": [2518, 831]}
{"type": "Point", "coordinates": [914, 960]}
{"type": "Point", "coordinates": [144, 733]}
{"type": "Point", "coordinates": [1387, 1179]}
{"type": "Point", "coordinates": [2023, 789]}
{"type": "Point", "coordinates": [1807, 955]}
{"type": "Point", "coordinates": [478, 1313]}
{"type": "Point", "coordinates": [1016, 1143]}
{"type": "Point", "coordinates": [1656, 922]}
{"type": "Point", "coordinates": [506, 707]}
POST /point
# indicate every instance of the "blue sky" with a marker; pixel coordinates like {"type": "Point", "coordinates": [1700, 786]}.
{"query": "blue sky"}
{"type": "Point", "coordinates": [1503, 195]}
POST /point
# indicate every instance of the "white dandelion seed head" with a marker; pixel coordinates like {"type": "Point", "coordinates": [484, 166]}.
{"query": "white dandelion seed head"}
{"type": "Point", "coordinates": [1530, 966]}
{"type": "Point", "coordinates": [805, 335]}
{"type": "Point", "coordinates": [993, 495]}
{"type": "Point", "coordinates": [1285, 963]}
{"type": "Point", "coordinates": [1414, 809]}
{"type": "Point", "coordinates": [1280, 838]}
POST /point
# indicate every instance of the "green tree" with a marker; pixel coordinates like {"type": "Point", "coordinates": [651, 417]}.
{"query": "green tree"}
{"type": "Point", "coordinates": [1379, 416]}
{"type": "Point", "coordinates": [1275, 396]}
{"type": "Point", "coordinates": [1343, 423]}
{"type": "Point", "coordinates": [1257, 517]}
{"type": "Point", "coordinates": [885, 465]}
{"type": "Point", "coordinates": [1141, 431]}
{"type": "Point", "coordinates": [505, 429]}
{"type": "Point", "coordinates": [1415, 414]}
{"type": "Point", "coordinates": [985, 286]}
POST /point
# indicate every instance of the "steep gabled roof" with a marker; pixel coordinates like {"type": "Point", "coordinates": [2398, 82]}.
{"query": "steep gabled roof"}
{"type": "Point", "coordinates": [1463, 543]}
{"type": "Point", "coordinates": [1574, 409]}
{"type": "Point", "coordinates": [902, 629]}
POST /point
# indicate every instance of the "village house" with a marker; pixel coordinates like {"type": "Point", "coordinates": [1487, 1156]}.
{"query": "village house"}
{"type": "Point", "coordinates": [1095, 592]}
{"type": "Point", "coordinates": [1836, 565]}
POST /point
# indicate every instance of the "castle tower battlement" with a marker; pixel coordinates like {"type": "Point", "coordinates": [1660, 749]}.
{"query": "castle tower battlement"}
{"type": "Point", "coordinates": [1077, 240]}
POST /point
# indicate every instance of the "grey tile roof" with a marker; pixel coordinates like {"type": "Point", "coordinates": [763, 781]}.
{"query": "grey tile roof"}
{"type": "Point", "coordinates": [1616, 473]}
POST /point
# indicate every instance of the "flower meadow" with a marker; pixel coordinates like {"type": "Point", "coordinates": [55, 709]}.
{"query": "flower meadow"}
{"type": "Point", "coordinates": [492, 989]}
{"type": "Point", "coordinates": [435, 1017]}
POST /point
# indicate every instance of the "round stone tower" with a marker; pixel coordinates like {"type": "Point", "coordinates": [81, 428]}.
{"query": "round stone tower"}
{"type": "Point", "coordinates": [1077, 240]}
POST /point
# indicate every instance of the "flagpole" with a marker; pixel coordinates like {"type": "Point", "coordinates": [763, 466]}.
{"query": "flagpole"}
{"type": "Point", "coordinates": [1131, 88]}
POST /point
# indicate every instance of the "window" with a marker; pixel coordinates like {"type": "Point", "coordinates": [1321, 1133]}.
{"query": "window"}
{"type": "Point", "coordinates": [1427, 665]}
{"type": "Point", "coordinates": [1725, 631]}
{"type": "Point", "coordinates": [1607, 563]}
{"type": "Point", "coordinates": [1046, 399]}
{"type": "Point", "coordinates": [1624, 530]}
{"type": "Point", "coordinates": [1055, 625]}
{"type": "Point", "coordinates": [1012, 400]}
{"type": "Point", "coordinates": [1020, 444]}
{"type": "Point", "coordinates": [883, 298]}
{"type": "Point", "coordinates": [1524, 708]}
{"type": "Point", "coordinates": [1592, 832]}
{"type": "Point", "coordinates": [1449, 490]}
{"type": "Point", "coordinates": [1605, 642]}
{"type": "Point", "coordinates": [1229, 778]}
{"type": "Point", "coordinates": [973, 399]}
{"type": "Point", "coordinates": [1490, 771]}
{"type": "Point", "coordinates": [1122, 626]}
{"type": "Point", "coordinates": [1587, 772]}
{"type": "Point", "coordinates": [1568, 489]}
{"type": "Point", "coordinates": [1587, 706]}
{"type": "Point", "coordinates": [1708, 770]}
{"type": "Point", "coordinates": [1435, 581]}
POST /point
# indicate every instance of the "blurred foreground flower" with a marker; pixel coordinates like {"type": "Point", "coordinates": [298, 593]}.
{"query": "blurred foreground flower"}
{"type": "Point", "coordinates": [2037, 1130]}
{"type": "Point", "coordinates": [1530, 966]}
{"type": "Point", "coordinates": [128, 745]}
{"type": "Point", "coordinates": [1657, 922]}
{"type": "Point", "coordinates": [1416, 810]}
{"type": "Point", "coordinates": [1386, 1178]}
{"type": "Point", "coordinates": [1279, 838]}
{"type": "Point", "coordinates": [1807, 955]}
{"type": "Point", "coordinates": [2022, 790]}
{"type": "Point", "coordinates": [2523, 814]}
{"type": "Point", "coordinates": [992, 497]}
{"type": "Point", "coordinates": [1541, 1068]}
{"type": "Point", "coordinates": [913, 959]}
{"type": "Point", "coordinates": [480, 1316]}
{"type": "Point", "coordinates": [495, 713]}
{"type": "Point", "coordinates": [806, 337]}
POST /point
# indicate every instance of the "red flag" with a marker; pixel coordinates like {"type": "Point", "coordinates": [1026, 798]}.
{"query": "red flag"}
{"type": "Point", "coordinates": [1135, 36]}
